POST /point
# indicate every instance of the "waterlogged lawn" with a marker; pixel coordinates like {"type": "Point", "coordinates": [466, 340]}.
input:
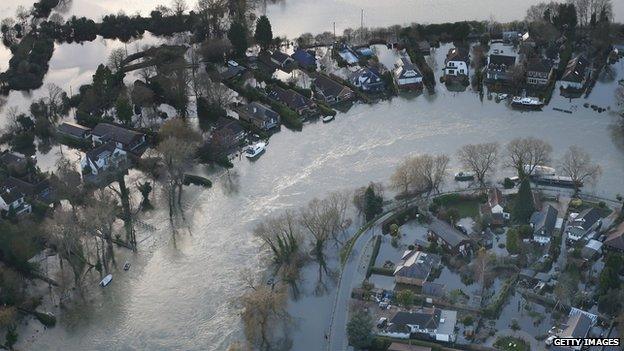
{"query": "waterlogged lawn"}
{"type": "Point", "coordinates": [509, 343]}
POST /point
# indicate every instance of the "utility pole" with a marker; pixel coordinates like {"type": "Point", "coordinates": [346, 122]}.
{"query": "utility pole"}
{"type": "Point", "coordinates": [334, 31]}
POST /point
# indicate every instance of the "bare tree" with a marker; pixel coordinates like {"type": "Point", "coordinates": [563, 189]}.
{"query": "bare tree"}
{"type": "Point", "coordinates": [359, 198]}
{"type": "Point", "coordinates": [525, 154]}
{"type": "Point", "coordinates": [480, 159]}
{"type": "Point", "coordinates": [577, 165]}
{"type": "Point", "coordinates": [67, 236]}
{"type": "Point", "coordinates": [402, 180]}
{"type": "Point", "coordinates": [179, 7]}
{"type": "Point", "coordinates": [116, 59]}
{"type": "Point", "coordinates": [98, 220]}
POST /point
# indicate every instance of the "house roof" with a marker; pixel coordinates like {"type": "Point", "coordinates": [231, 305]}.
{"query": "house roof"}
{"type": "Point", "coordinates": [280, 56]}
{"type": "Point", "coordinates": [101, 151]}
{"type": "Point", "coordinates": [27, 186]}
{"type": "Point", "coordinates": [495, 197]}
{"type": "Point", "coordinates": [365, 75]}
{"type": "Point", "coordinates": [10, 194]}
{"type": "Point", "coordinates": [416, 264]}
{"type": "Point", "coordinates": [616, 238]}
{"type": "Point", "coordinates": [544, 221]}
{"type": "Point", "coordinates": [539, 65]}
{"type": "Point", "coordinates": [594, 245]}
{"type": "Point", "coordinates": [433, 289]}
{"type": "Point", "coordinates": [426, 318]}
{"type": "Point", "coordinates": [502, 60]}
{"type": "Point", "coordinates": [329, 87]}
{"type": "Point", "coordinates": [260, 111]}
{"type": "Point", "coordinates": [229, 124]}
{"type": "Point", "coordinates": [577, 326]}
{"type": "Point", "coordinates": [10, 158]}
{"type": "Point", "coordinates": [457, 54]}
{"type": "Point", "coordinates": [395, 346]}
{"type": "Point", "coordinates": [445, 231]}
{"type": "Point", "coordinates": [289, 97]}
{"type": "Point", "coordinates": [232, 71]}
{"type": "Point", "coordinates": [115, 133]}
{"type": "Point", "coordinates": [575, 70]}
{"type": "Point", "coordinates": [304, 58]}
{"type": "Point", "coordinates": [587, 218]}
{"type": "Point", "coordinates": [73, 129]}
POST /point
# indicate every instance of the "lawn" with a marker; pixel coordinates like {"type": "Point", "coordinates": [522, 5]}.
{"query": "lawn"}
{"type": "Point", "coordinates": [509, 343]}
{"type": "Point", "coordinates": [467, 208]}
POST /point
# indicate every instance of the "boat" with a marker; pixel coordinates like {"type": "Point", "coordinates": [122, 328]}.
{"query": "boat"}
{"type": "Point", "coordinates": [539, 171]}
{"type": "Point", "coordinates": [501, 97]}
{"type": "Point", "coordinates": [255, 150]}
{"type": "Point", "coordinates": [327, 119]}
{"type": "Point", "coordinates": [531, 103]}
{"type": "Point", "coordinates": [106, 280]}
{"type": "Point", "coordinates": [464, 176]}
{"type": "Point", "coordinates": [558, 181]}
{"type": "Point", "coordinates": [126, 266]}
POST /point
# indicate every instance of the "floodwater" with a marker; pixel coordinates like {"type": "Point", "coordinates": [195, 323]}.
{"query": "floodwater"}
{"type": "Point", "coordinates": [180, 295]}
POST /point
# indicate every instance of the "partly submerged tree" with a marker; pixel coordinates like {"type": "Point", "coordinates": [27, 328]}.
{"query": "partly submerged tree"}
{"type": "Point", "coordinates": [263, 34]}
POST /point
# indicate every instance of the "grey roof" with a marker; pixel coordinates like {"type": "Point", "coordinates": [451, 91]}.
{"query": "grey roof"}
{"type": "Point", "coordinates": [445, 231]}
{"type": "Point", "coordinates": [115, 133]}
{"type": "Point", "coordinates": [9, 193]}
{"type": "Point", "coordinates": [405, 66]}
{"type": "Point", "coordinates": [544, 221]}
{"type": "Point", "coordinates": [587, 218]}
{"type": "Point", "coordinates": [416, 264]}
{"type": "Point", "coordinates": [615, 239]}
{"type": "Point", "coordinates": [73, 129]}
{"type": "Point", "coordinates": [232, 71]}
{"type": "Point", "coordinates": [428, 318]}
{"type": "Point", "coordinates": [539, 65]}
{"type": "Point", "coordinates": [575, 70]}
{"type": "Point", "coordinates": [98, 151]}
{"type": "Point", "coordinates": [280, 57]}
{"type": "Point", "coordinates": [261, 112]}
{"type": "Point", "coordinates": [502, 60]}
{"type": "Point", "coordinates": [457, 54]}
{"type": "Point", "coordinates": [289, 98]}
{"type": "Point", "coordinates": [433, 289]}
{"type": "Point", "coordinates": [329, 87]}
{"type": "Point", "coordinates": [578, 326]}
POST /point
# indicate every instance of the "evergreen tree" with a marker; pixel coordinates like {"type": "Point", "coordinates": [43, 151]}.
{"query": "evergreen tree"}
{"type": "Point", "coordinates": [238, 37]}
{"type": "Point", "coordinates": [359, 330]}
{"type": "Point", "coordinates": [523, 206]}
{"type": "Point", "coordinates": [123, 110]}
{"type": "Point", "coordinates": [264, 34]}
{"type": "Point", "coordinates": [373, 203]}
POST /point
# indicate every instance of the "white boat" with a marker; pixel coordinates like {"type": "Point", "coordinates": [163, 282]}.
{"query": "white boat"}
{"type": "Point", "coordinates": [106, 280]}
{"type": "Point", "coordinates": [255, 150]}
{"type": "Point", "coordinates": [126, 266]}
{"type": "Point", "coordinates": [527, 102]}
{"type": "Point", "coordinates": [539, 171]}
{"type": "Point", "coordinates": [328, 118]}
{"type": "Point", "coordinates": [501, 97]}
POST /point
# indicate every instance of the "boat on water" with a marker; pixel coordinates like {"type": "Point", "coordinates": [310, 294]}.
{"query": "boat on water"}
{"type": "Point", "coordinates": [328, 118]}
{"type": "Point", "coordinates": [501, 97]}
{"type": "Point", "coordinates": [530, 103]}
{"type": "Point", "coordinates": [558, 181]}
{"type": "Point", "coordinates": [126, 266]}
{"type": "Point", "coordinates": [464, 176]}
{"type": "Point", "coordinates": [539, 171]}
{"type": "Point", "coordinates": [106, 280]}
{"type": "Point", "coordinates": [255, 150]}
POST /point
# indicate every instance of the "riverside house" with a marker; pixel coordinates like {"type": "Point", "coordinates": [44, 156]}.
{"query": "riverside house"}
{"type": "Point", "coordinates": [292, 100]}
{"type": "Point", "coordinates": [330, 91]}
{"type": "Point", "coordinates": [102, 158]}
{"type": "Point", "coordinates": [415, 267]}
{"type": "Point", "coordinates": [368, 80]}
{"type": "Point", "coordinates": [495, 207]}
{"type": "Point", "coordinates": [305, 59]}
{"type": "Point", "coordinates": [580, 225]}
{"type": "Point", "coordinates": [426, 323]}
{"type": "Point", "coordinates": [498, 69]}
{"type": "Point", "coordinates": [282, 61]}
{"type": "Point", "coordinates": [615, 239]}
{"type": "Point", "coordinates": [576, 74]}
{"type": "Point", "coordinates": [124, 139]}
{"type": "Point", "coordinates": [74, 130]}
{"type": "Point", "coordinates": [11, 199]}
{"type": "Point", "coordinates": [448, 237]}
{"type": "Point", "coordinates": [261, 116]}
{"type": "Point", "coordinates": [456, 65]}
{"type": "Point", "coordinates": [543, 224]}
{"type": "Point", "coordinates": [539, 72]}
{"type": "Point", "coordinates": [406, 75]}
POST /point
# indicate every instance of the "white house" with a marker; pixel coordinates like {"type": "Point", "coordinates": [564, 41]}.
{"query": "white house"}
{"type": "Point", "coordinates": [102, 158]}
{"type": "Point", "coordinates": [544, 224]}
{"type": "Point", "coordinates": [582, 224]}
{"type": "Point", "coordinates": [407, 75]}
{"type": "Point", "coordinates": [435, 323]}
{"type": "Point", "coordinates": [125, 139]}
{"type": "Point", "coordinates": [456, 63]}
{"type": "Point", "coordinates": [11, 198]}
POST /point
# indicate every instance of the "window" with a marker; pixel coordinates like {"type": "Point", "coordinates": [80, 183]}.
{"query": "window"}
{"type": "Point", "coordinates": [451, 71]}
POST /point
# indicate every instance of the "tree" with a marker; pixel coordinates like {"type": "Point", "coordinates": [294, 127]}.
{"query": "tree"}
{"type": "Point", "coordinates": [480, 159]}
{"type": "Point", "coordinates": [116, 59]}
{"type": "Point", "coordinates": [264, 310]}
{"type": "Point", "coordinates": [238, 37]}
{"type": "Point", "coordinates": [317, 219]}
{"type": "Point", "coordinates": [373, 203]}
{"type": "Point", "coordinates": [513, 241]}
{"type": "Point", "coordinates": [123, 110]}
{"type": "Point", "coordinates": [359, 330]}
{"type": "Point", "coordinates": [263, 34]}
{"type": "Point", "coordinates": [577, 165]}
{"type": "Point", "coordinates": [525, 154]}
{"type": "Point", "coordinates": [405, 298]}
{"type": "Point", "coordinates": [523, 204]}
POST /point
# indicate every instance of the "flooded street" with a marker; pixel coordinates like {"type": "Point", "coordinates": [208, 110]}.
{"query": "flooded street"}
{"type": "Point", "coordinates": [180, 294]}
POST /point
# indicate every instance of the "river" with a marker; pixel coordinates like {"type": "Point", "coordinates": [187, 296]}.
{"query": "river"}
{"type": "Point", "coordinates": [181, 295]}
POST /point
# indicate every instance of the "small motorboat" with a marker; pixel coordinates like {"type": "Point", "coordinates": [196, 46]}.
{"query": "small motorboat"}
{"type": "Point", "coordinates": [501, 97]}
{"type": "Point", "coordinates": [106, 280]}
{"type": "Point", "coordinates": [531, 103]}
{"type": "Point", "coordinates": [464, 176]}
{"type": "Point", "coordinates": [328, 118]}
{"type": "Point", "coordinates": [126, 266]}
{"type": "Point", "coordinates": [255, 150]}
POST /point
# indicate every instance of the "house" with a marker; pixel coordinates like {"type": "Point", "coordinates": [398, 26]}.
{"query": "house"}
{"type": "Point", "coordinates": [615, 239]}
{"type": "Point", "coordinates": [456, 64]}
{"type": "Point", "coordinates": [407, 75]}
{"type": "Point", "coordinates": [433, 289]}
{"type": "Point", "coordinates": [331, 91]}
{"type": "Point", "coordinates": [395, 346]}
{"type": "Point", "coordinates": [282, 60]}
{"type": "Point", "coordinates": [348, 54]}
{"type": "Point", "coordinates": [74, 130]}
{"type": "Point", "coordinates": [581, 224]}
{"type": "Point", "coordinates": [415, 267]}
{"type": "Point", "coordinates": [233, 71]}
{"type": "Point", "coordinates": [102, 158]}
{"type": "Point", "coordinates": [124, 139]}
{"type": "Point", "coordinates": [227, 133]}
{"type": "Point", "coordinates": [448, 237]}
{"type": "Point", "coordinates": [292, 100]}
{"type": "Point", "coordinates": [576, 74]}
{"type": "Point", "coordinates": [578, 325]}
{"type": "Point", "coordinates": [543, 224]}
{"type": "Point", "coordinates": [592, 249]}
{"type": "Point", "coordinates": [495, 207]}
{"type": "Point", "coordinates": [368, 80]}
{"type": "Point", "coordinates": [11, 199]}
{"type": "Point", "coordinates": [426, 323]}
{"type": "Point", "coordinates": [15, 161]}
{"type": "Point", "coordinates": [261, 116]}
{"type": "Point", "coordinates": [33, 186]}
{"type": "Point", "coordinates": [498, 68]}
{"type": "Point", "coordinates": [305, 58]}
{"type": "Point", "coordinates": [539, 72]}
{"type": "Point", "coordinates": [511, 37]}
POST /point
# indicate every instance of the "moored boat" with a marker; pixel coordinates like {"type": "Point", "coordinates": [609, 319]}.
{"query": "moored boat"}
{"type": "Point", "coordinates": [559, 181]}
{"type": "Point", "coordinates": [464, 176]}
{"type": "Point", "coordinates": [106, 280]}
{"type": "Point", "coordinates": [328, 118]}
{"type": "Point", "coordinates": [255, 150]}
{"type": "Point", "coordinates": [530, 103]}
{"type": "Point", "coordinates": [126, 266]}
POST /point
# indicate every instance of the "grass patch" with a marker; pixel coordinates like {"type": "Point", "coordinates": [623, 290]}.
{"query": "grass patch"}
{"type": "Point", "coordinates": [467, 208]}
{"type": "Point", "coordinates": [509, 343]}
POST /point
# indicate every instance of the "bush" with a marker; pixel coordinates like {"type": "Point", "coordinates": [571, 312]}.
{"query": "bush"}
{"type": "Point", "coordinates": [508, 183]}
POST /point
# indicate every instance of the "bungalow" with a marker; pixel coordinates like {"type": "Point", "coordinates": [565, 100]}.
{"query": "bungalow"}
{"type": "Point", "coordinates": [227, 132]}
{"type": "Point", "coordinates": [407, 75]}
{"type": "Point", "coordinates": [498, 67]}
{"type": "Point", "coordinates": [426, 323]}
{"type": "Point", "coordinates": [102, 158]}
{"type": "Point", "coordinates": [331, 91]}
{"type": "Point", "coordinates": [615, 239]}
{"type": "Point", "coordinates": [448, 237]}
{"type": "Point", "coordinates": [543, 224]}
{"type": "Point", "coordinates": [292, 100]}
{"type": "Point", "coordinates": [456, 64]}
{"type": "Point", "coordinates": [575, 74]}
{"type": "Point", "coordinates": [433, 289]}
{"type": "Point", "coordinates": [261, 116]}
{"type": "Point", "coordinates": [539, 72]}
{"type": "Point", "coordinates": [124, 139]}
{"type": "Point", "coordinates": [11, 199]}
{"type": "Point", "coordinates": [495, 207]}
{"type": "Point", "coordinates": [305, 58]}
{"type": "Point", "coordinates": [581, 224]}
{"type": "Point", "coordinates": [348, 54]}
{"type": "Point", "coordinates": [282, 60]}
{"type": "Point", "coordinates": [34, 187]}
{"type": "Point", "coordinates": [415, 267]}
{"type": "Point", "coordinates": [368, 80]}
{"type": "Point", "coordinates": [74, 130]}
